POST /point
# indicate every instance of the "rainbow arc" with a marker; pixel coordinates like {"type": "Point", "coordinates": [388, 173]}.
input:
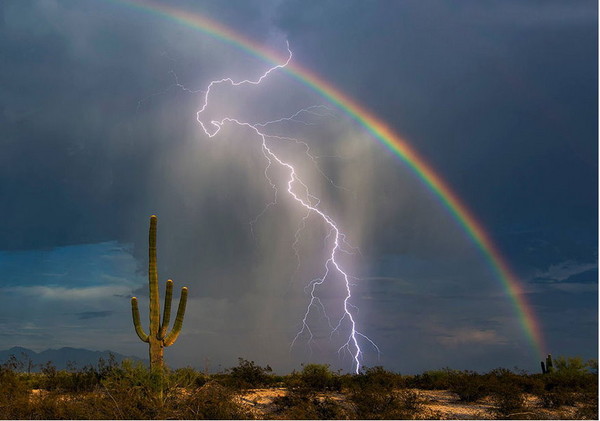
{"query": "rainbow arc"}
{"type": "Point", "coordinates": [379, 130]}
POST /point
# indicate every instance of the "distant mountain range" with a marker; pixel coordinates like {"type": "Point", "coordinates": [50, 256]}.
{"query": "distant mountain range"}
{"type": "Point", "coordinates": [60, 357]}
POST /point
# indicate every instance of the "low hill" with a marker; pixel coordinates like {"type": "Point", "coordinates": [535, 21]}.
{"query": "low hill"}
{"type": "Point", "coordinates": [61, 357]}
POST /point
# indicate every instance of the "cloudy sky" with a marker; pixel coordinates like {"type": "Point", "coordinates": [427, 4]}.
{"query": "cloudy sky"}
{"type": "Point", "coordinates": [98, 131]}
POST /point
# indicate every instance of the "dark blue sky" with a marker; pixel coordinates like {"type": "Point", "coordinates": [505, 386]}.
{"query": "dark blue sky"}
{"type": "Point", "coordinates": [500, 97]}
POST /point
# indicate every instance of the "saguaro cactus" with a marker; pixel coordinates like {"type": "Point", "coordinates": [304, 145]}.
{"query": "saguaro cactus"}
{"type": "Point", "coordinates": [158, 338]}
{"type": "Point", "coordinates": [548, 367]}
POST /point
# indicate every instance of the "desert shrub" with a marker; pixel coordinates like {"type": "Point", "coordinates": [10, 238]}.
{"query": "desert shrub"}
{"type": "Point", "coordinates": [303, 404]}
{"type": "Point", "coordinates": [509, 401]}
{"type": "Point", "coordinates": [14, 394]}
{"type": "Point", "coordinates": [372, 403]}
{"type": "Point", "coordinates": [328, 409]}
{"type": "Point", "coordinates": [131, 375]}
{"type": "Point", "coordinates": [133, 391]}
{"type": "Point", "coordinates": [317, 377]}
{"type": "Point", "coordinates": [574, 365]}
{"type": "Point", "coordinates": [49, 379]}
{"type": "Point", "coordinates": [375, 377]}
{"type": "Point", "coordinates": [186, 377]}
{"type": "Point", "coordinates": [57, 405]}
{"type": "Point", "coordinates": [302, 400]}
{"type": "Point", "coordinates": [10, 381]}
{"type": "Point", "coordinates": [106, 367]}
{"type": "Point", "coordinates": [61, 405]}
{"type": "Point", "coordinates": [247, 374]}
{"type": "Point", "coordinates": [277, 380]}
{"type": "Point", "coordinates": [572, 374]}
{"type": "Point", "coordinates": [589, 408]}
{"type": "Point", "coordinates": [84, 380]}
{"type": "Point", "coordinates": [125, 391]}
{"type": "Point", "coordinates": [557, 398]}
{"type": "Point", "coordinates": [571, 381]}
{"type": "Point", "coordinates": [469, 386]}
{"type": "Point", "coordinates": [567, 387]}
{"type": "Point", "coordinates": [410, 400]}
{"type": "Point", "coordinates": [211, 401]}
{"type": "Point", "coordinates": [434, 379]}
{"type": "Point", "coordinates": [501, 380]}
{"type": "Point", "coordinates": [71, 380]}
{"type": "Point", "coordinates": [533, 384]}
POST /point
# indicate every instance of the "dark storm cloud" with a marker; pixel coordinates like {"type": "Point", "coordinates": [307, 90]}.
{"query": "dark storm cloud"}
{"type": "Point", "coordinates": [499, 96]}
{"type": "Point", "coordinates": [64, 86]}
{"type": "Point", "coordinates": [75, 155]}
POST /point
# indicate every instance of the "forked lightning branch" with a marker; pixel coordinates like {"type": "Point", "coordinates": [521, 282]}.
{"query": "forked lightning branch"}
{"type": "Point", "coordinates": [333, 270]}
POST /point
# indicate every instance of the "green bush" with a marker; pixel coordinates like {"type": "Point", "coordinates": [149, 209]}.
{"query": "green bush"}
{"type": "Point", "coordinates": [469, 386]}
{"type": "Point", "coordinates": [572, 381]}
{"type": "Point", "coordinates": [319, 377]}
{"type": "Point", "coordinates": [434, 379]}
{"type": "Point", "coordinates": [186, 377]}
{"type": "Point", "coordinates": [379, 377]}
{"type": "Point", "coordinates": [14, 392]}
{"type": "Point", "coordinates": [247, 374]}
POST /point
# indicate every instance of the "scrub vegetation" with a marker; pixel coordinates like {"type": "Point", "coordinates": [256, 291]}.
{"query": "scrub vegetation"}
{"type": "Point", "coordinates": [130, 390]}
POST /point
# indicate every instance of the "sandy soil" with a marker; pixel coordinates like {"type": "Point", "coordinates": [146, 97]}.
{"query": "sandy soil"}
{"type": "Point", "coordinates": [439, 404]}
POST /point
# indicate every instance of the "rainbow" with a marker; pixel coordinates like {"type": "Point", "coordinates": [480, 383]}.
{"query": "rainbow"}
{"type": "Point", "coordinates": [385, 135]}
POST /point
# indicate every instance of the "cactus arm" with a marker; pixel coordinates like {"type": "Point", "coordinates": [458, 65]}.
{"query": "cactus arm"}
{"type": "Point", "coordinates": [153, 280]}
{"type": "Point", "coordinates": [167, 310]}
{"type": "Point", "coordinates": [172, 337]}
{"type": "Point", "coordinates": [136, 320]}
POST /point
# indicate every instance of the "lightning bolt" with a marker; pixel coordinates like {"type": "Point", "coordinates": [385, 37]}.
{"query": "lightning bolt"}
{"type": "Point", "coordinates": [300, 193]}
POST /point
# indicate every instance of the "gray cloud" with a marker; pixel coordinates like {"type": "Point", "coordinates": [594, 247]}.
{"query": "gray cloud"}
{"type": "Point", "coordinates": [569, 271]}
{"type": "Point", "coordinates": [93, 314]}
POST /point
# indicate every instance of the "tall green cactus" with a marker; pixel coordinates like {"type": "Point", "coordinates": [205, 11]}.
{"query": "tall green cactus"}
{"type": "Point", "coordinates": [158, 338]}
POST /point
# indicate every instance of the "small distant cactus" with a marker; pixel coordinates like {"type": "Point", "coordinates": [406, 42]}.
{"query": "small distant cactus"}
{"type": "Point", "coordinates": [158, 338]}
{"type": "Point", "coordinates": [548, 367]}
